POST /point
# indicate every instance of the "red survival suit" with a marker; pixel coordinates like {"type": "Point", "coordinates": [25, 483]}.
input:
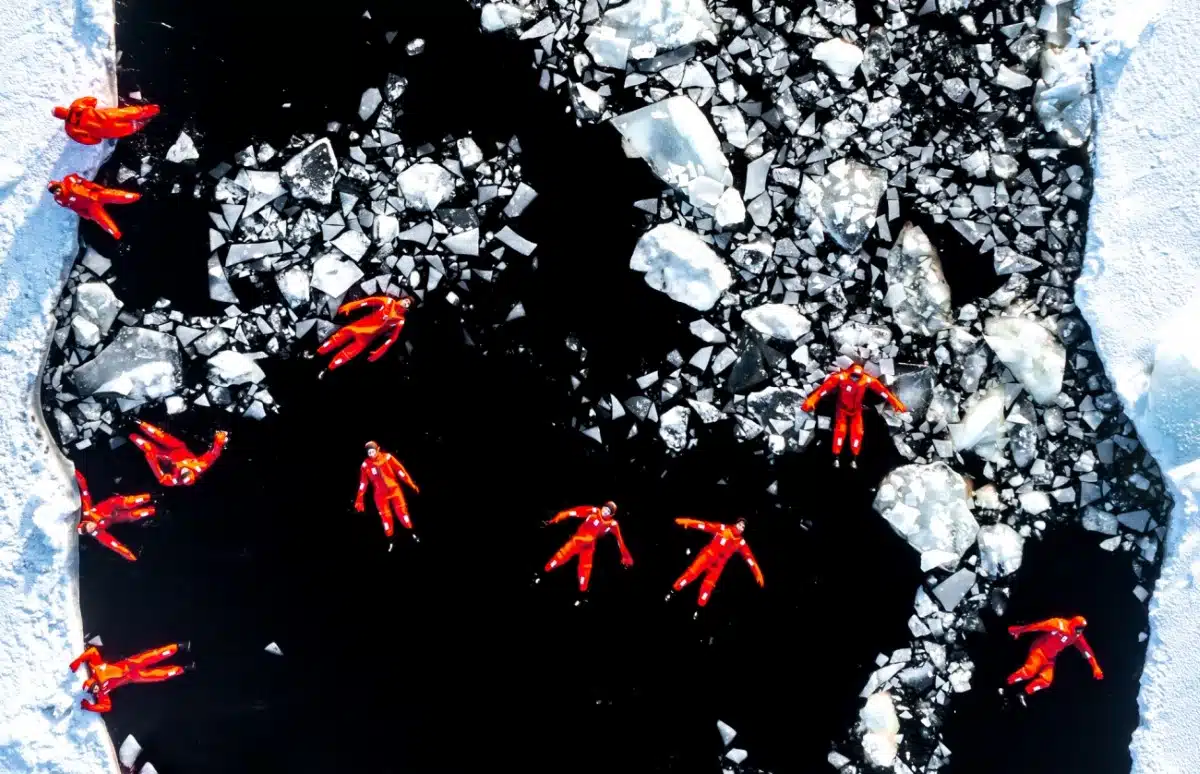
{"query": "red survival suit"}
{"type": "Point", "coordinates": [384, 474]}
{"type": "Point", "coordinates": [172, 462]}
{"type": "Point", "coordinates": [89, 125]}
{"type": "Point", "coordinates": [1058, 634]}
{"type": "Point", "coordinates": [385, 320]}
{"type": "Point", "coordinates": [852, 384]}
{"type": "Point", "coordinates": [727, 541]}
{"type": "Point", "coordinates": [597, 522]}
{"type": "Point", "coordinates": [95, 520]}
{"type": "Point", "coordinates": [87, 199]}
{"type": "Point", "coordinates": [104, 678]}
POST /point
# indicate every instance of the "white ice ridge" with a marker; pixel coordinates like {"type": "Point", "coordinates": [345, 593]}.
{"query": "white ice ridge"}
{"type": "Point", "coordinates": [51, 51]}
{"type": "Point", "coordinates": [1141, 274]}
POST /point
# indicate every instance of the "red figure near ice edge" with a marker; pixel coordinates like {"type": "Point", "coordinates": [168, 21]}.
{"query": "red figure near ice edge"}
{"type": "Point", "coordinates": [104, 678]}
{"type": "Point", "coordinates": [851, 384]}
{"type": "Point", "coordinates": [727, 540]}
{"type": "Point", "coordinates": [89, 125]}
{"type": "Point", "coordinates": [87, 199]}
{"type": "Point", "coordinates": [95, 520]}
{"type": "Point", "coordinates": [172, 462]}
{"type": "Point", "coordinates": [386, 319]}
{"type": "Point", "coordinates": [597, 522]}
{"type": "Point", "coordinates": [1058, 634]}
{"type": "Point", "coordinates": [384, 474]}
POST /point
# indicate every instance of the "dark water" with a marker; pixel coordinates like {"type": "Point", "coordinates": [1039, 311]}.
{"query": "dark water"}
{"type": "Point", "coordinates": [444, 655]}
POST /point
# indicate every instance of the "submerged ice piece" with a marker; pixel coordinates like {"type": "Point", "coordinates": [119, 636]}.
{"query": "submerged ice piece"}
{"type": "Point", "coordinates": [104, 678]}
{"type": "Point", "coordinates": [597, 522]}
{"type": "Point", "coordinates": [849, 198]}
{"type": "Point", "coordinates": [89, 125]}
{"type": "Point", "coordinates": [1058, 634]}
{"type": "Point", "coordinates": [87, 199]}
{"type": "Point", "coordinates": [385, 320]}
{"type": "Point", "coordinates": [710, 562]}
{"type": "Point", "coordinates": [173, 463]}
{"type": "Point", "coordinates": [95, 519]}
{"type": "Point", "coordinates": [384, 473]}
{"type": "Point", "coordinates": [851, 384]}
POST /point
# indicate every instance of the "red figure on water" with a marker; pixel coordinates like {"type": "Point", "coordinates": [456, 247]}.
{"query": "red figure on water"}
{"type": "Point", "coordinates": [89, 125]}
{"type": "Point", "coordinates": [851, 384]}
{"type": "Point", "coordinates": [597, 522]}
{"type": "Point", "coordinates": [727, 541]}
{"type": "Point", "coordinates": [104, 678]}
{"type": "Point", "coordinates": [95, 520]}
{"type": "Point", "coordinates": [87, 199]}
{"type": "Point", "coordinates": [384, 473]}
{"type": "Point", "coordinates": [385, 321]}
{"type": "Point", "coordinates": [172, 462]}
{"type": "Point", "coordinates": [1058, 634]}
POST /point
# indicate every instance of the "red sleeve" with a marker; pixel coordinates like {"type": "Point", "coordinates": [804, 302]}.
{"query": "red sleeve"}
{"type": "Point", "coordinates": [826, 387]}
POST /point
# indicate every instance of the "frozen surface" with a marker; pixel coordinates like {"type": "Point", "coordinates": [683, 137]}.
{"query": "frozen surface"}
{"type": "Point", "coordinates": [1141, 274]}
{"type": "Point", "coordinates": [51, 51]}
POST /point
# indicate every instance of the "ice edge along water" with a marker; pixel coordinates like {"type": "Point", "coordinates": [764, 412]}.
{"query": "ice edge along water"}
{"type": "Point", "coordinates": [51, 51]}
{"type": "Point", "coordinates": [1139, 279]}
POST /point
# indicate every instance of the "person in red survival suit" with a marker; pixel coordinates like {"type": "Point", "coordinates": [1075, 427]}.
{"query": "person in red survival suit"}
{"type": "Point", "coordinates": [386, 319]}
{"type": "Point", "coordinates": [597, 522]}
{"type": "Point", "coordinates": [384, 474]}
{"type": "Point", "coordinates": [89, 125]}
{"type": "Point", "coordinates": [727, 541]}
{"type": "Point", "coordinates": [95, 520]}
{"type": "Point", "coordinates": [1058, 634]}
{"type": "Point", "coordinates": [171, 461]}
{"type": "Point", "coordinates": [104, 678]}
{"type": "Point", "coordinates": [852, 384]}
{"type": "Point", "coordinates": [87, 199]}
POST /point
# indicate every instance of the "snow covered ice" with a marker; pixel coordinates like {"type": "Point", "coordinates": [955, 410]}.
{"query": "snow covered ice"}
{"type": "Point", "coordinates": [841, 57]}
{"type": "Point", "coordinates": [139, 365]}
{"type": "Point", "coordinates": [917, 293]}
{"type": "Point", "coordinates": [928, 506]}
{"type": "Point", "coordinates": [778, 321]}
{"type": "Point", "coordinates": [1031, 352]}
{"type": "Point", "coordinates": [651, 27]}
{"type": "Point", "coordinates": [849, 196]}
{"type": "Point", "coordinates": [879, 727]}
{"type": "Point", "coordinates": [682, 265]}
{"type": "Point", "coordinates": [426, 186]}
{"type": "Point", "coordinates": [1001, 549]}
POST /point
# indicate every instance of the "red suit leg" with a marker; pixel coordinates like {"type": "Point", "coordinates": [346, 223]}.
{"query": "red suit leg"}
{"type": "Point", "coordinates": [400, 507]}
{"type": "Point", "coordinates": [840, 427]}
{"type": "Point", "coordinates": [564, 554]}
{"type": "Point", "coordinates": [694, 571]}
{"type": "Point", "coordinates": [709, 583]}
{"type": "Point", "coordinates": [111, 543]}
{"type": "Point", "coordinates": [1043, 680]}
{"type": "Point", "coordinates": [384, 506]}
{"type": "Point", "coordinates": [156, 675]}
{"type": "Point", "coordinates": [1033, 666]}
{"type": "Point", "coordinates": [586, 556]}
{"type": "Point", "coordinates": [82, 136]}
{"type": "Point", "coordinates": [100, 216]}
{"type": "Point", "coordinates": [856, 433]}
{"type": "Point", "coordinates": [150, 657]}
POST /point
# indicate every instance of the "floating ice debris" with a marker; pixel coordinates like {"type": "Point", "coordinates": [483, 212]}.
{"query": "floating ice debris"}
{"type": "Point", "coordinates": [880, 729]}
{"type": "Point", "coordinates": [139, 365]}
{"type": "Point", "coordinates": [983, 426]}
{"type": "Point", "coordinates": [1001, 549]}
{"type": "Point", "coordinates": [369, 103]}
{"type": "Point", "coordinates": [183, 150]}
{"type": "Point", "coordinates": [310, 173]}
{"type": "Point", "coordinates": [228, 368]}
{"type": "Point", "coordinates": [951, 591]}
{"type": "Point", "coordinates": [1008, 261]}
{"type": "Point", "coordinates": [727, 733]}
{"type": "Point", "coordinates": [588, 103]}
{"type": "Point", "coordinates": [655, 27]}
{"type": "Point", "coordinates": [218, 284]}
{"type": "Point", "coordinates": [1034, 503]}
{"type": "Point", "coordinates": [273, 649]}
{"type": "Point", "coordinates": [849, 196]}
{"type": "Point", "coordinates": [737, 755]}
{"type": "Point", "coordinates": [608, 50]}
{"type": "Point", "coordinates": [148, 769]}
{"type": "Point", "coordinates": [517, 242]}
{"type": "Point", "coordinates": [682, 265]}
{"type": "Point", "coordinates": [96, 303]}
{"type": "Point", "coordinates": [779, 321]}
{"type": "Point", "coordinates": [425, 186]}
{"type": "Point", "coordinates": [469, 153]}
{"type": "Point", "coordinates": [265, 187]}
{"type": "Point", "coordinates": [929, 507]}
{"type": "Point", "coordinates": [466, 243]}
{"type": "Point", "coordinates": [673, 427]}
{"type": "Point", "coordinates": [860, 338]}
{"type": "Point", "coordinates": [521, 198]}
{"type": "Point", "coordinates": [839, 56]}
{"type": "Point", "coordinates": [293, 284]}
{"type": "Point", "coordinates": [129, 751]}
{"type": "Point", "coordinates": [1033, 354]}
{"type": "Point", "coordinates": [333, 276]}
{"type": "Point", "coordinates": [251, 251]}
{"type": "Point", "coordinates": [1063, 96]}
{"type": "Point", "coordinates": [915, 391]}
{"type": "Point", "coordinates": [354, 244]}
{"type": "Point", "coordinates": [839, 12]}
{"type": "Point", "coordinates": [499, 16]}
{"type": "Point", "coordinates": [917, 293]}
{"type": "Point", "coordinates": [1011, 79]}
{"type": "Point", "coordinates": [415, 46]}
{"type": "Point", "coordinates": [730, 209]}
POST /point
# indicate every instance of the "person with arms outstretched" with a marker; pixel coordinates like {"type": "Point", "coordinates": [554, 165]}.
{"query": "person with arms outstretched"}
{"type": "Point", "coordinates": [384, 474]}
{"type": "Point", "coordinates": [89, 125]}
{"type": "Point", "coordinates": [104, 677]}
{"type": "Point", "coordinates": [95, 519]}
{"type": "Point", "coordinates": [1057, 634]}
{"type": "Point", "coordinates": [87, 199]}
{"type": "Point", "coordinates": [851, 384]}
{"type": "Point", "coordinates": [172, 463]}
{"type": "Point", "coordinates": [727, 540]}
{"type": "Point", "coordinates": [597, 522]}
{"type": "Point", "coordinates": [384, 321]}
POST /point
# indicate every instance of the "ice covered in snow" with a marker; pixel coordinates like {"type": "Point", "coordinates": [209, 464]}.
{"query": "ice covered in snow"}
{"type": "Point", "coordinates": [425, 186]}
{"type": "Point", "coordinates": [183, 150]}
{"type": "Point", "coordinates": [983, 427]}
{"type": "Point", "coordinates": [228, 368]}
{"type": "Point", "coordinates": [839, 56]}
{"type": "Point", "coordinates": [139, 364]}
{"type": "Point", "coordinates": [880, 728]}
{"type": "Point", "coordinates": [777, 321]}
{"type": "Point", "coordinates": [682, 265]}
{"type": "Point", "coordinates": [917, 291]}
{"type": "Point", "coordinates": [928, 506]}
{"type": "Point", "coordinates": [1001, 549]}
{"type": "Point", "coordinates": [51, 51]}
{"type": "Point", "coordinates": [647, 28]}
{"type": "Point", "coordinates": [1034, 355]}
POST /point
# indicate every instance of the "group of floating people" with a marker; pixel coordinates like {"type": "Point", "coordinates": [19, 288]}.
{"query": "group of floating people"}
{"type": "Point", "coordinates": [174, 464]}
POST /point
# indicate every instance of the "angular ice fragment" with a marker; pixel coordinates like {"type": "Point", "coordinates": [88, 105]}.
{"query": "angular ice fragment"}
{"type": "Point", "coordinates": [521, 198]}
{"type": "Point", "coordinates": [293, 286]}
{"type": "Point", "coordinates": [228, 368]}
{"type": "Point", "coordinates": [1011, 79]}
{"type": "Point", "coordinates": [983, 426]}
{"type": "Point", "coordinates": [753, 256]}
{"type": "Point", "coordinates": [915, 391]}
{"type": "Point", "coordinates": [727, 733]}
{"type": "Point", "coordinates": [466, 243]}
{"type": "Point", "coordinates": [499, 16]}
{"type": "Point", "coordinates": [183, 150]}
{"type": "Point", "coordinates": [369, 103]}
{"type": "Point", "coordinates": [310, 173]}
{"type": "Point", "coordinates": [880, 112]}
{"type": "Point", "coordinates": [415, 46]}
{"type": "Point", "coordinates": [952, 590]}
{"type": "Point", "coordinates": [682, 265]}
{"type": "Point", "coordinates": [425, 186]}
{"type": "Point", "coordinates": [917, 293]}
{"type": "Point", "coordinates": [677, 141]}
{"type": "Point", "coordinates": [655, 27]}
{"type": "Point", "coordinates": [737, 755]}
{"type": "Point", "coordinates": [333, 276]}
{"type": "Point", "coordinates": [139, 364]}
{"type": "Point", "coordinates": [1034, 502]}
{"type": "Point", "coordinates": [861, 337]}
{"type": "Point", "coordinates": [1008, 261]}
{"type": "Point", "coordinates": [929, 507]}
{"type": "Point", "coordinates": [265, 187]}
{"type": "Point", "coordinates": [1001, 549]}
{"type": "Point", "coordinates": [588, 103]}
{"type": "Point", "coordinates": [840, 12]}
{"type": "Point", "coordinates": [273, 649]}
{"type": "Point", "coordinates": [849, 197]}
{"type": "Point", "coordinates": [86, 332]}
{"type": "Point", "coordinates": [880, 729]}
{"type": "Point", "coordinates": [608, 50]}
{"type": "Point", "coordinates": [218, 284]}
{"type": "Point", "coordinates": [706, 331]}
{"type": "Point", "coordinates": [129, 752]}
{"type": "Point", "coordinates": [839, 56]}
{"type": "Point", "coordinates": [469, 153]}
{"type": "Point", "coordinates": [730, 209]}
{"type": "Point", "coordinates": [516, 241]}
{"type": "Point", "coordinates": [778, 321]}
{"type": "Point", "coordinates": [353, 243]}
{"type": "Point", "coordinates": [673, 427]}
{"type": "Point", "coordinates": [1034, 355]}
{"type": "Point", "coordinates": [96, 303]}
{"type": "Point", "coordinates": [1063, 96]}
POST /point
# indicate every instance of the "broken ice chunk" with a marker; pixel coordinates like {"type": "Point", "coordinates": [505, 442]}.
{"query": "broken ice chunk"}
{"type": "Point", "coordinates": [1033, 354]}
{"type": "Point", "coordinates": [951, 591]}
{"type": "Point", "coordinates": [983, 426]}
{"type": "Point", "coordinates": [265, 187]}
{"type": "Point", "coordinates": [415, 47]}
{"type": "Point", "coordinates": [310, 173]}
{"type": "Point", "coordinates": [608, 49]}
{"type": "Point", "coordinates": [129, 752]}
{"type": "Point", "coordinates": [466, 243]}
{"type": "Point", "coordinates": [915, 391]}
{"type": "Point", "coordinates": [779, 321]}
{"type": "Point", "coordinates": [369, 103]}
{"type": "Point", "coordinates": [1011, 79]}
{"type": "Point", "coordinates": [928, 506]}
{"type": "Point", "coordinates": [426, 186]}
{"type": "Point", "coordinates": [293, 286]}
{"type": "Point", "coordinates": [273, 649]}
{"type": "Point", "coordinates": [1001, 549]}
{"type": "Point", "coordinates": [139, 365]}
{"type": "Point", "coordinates": [849, 194]}
{"type": "Point", "coordinates": [917, 290]}
{"type": "Point", "coordinates": [521, 198]}
{"type": "Point", "coordinates": [731, 211]}
{"type": "Point", "coordinates": [727, 733]}
{"type": "Point", "coordinates": [499, 16]}
{"type": "Point", "coordinates": [1063, 96]}
{"type": "Point", "coordinates": [352, 243]}
{"type": "Point", "coordinates": [1008, 261]}
{"type": "Point", "coordinates": [673, 427]}
{"type": "Point", "coordinates": [333, 276]}
{"type": "Point", "coordinates": [840, 12]}
{"type": "Point", "coordinates": [655, 27]}
{"type": "Point", "coordinates": [516, 241]}
{"type": "Point", "coordinates": [588, 103]}
{"type": "Point", "coordinates": [183, 150]}
{"type": "Point", "coordinates": [737, 755]}
{"type": "Point", "coordinates": [469, 153]}
{"type": "Point", "coordinates": [96, 303]}
{"type": "Point", "coordinates": [880, 729]}
{"type": "Point", "coordinates": [682, 265]}
{"type": "Point", "coordinates": [228, 368]}
{"type": "Point", "coordinates": [218, 284]}
{"type": "Point", "coordinates": [839, 56]}
{"type": "Point", "coordinates": [86, 332]}
{"type": "Point", "coordinates": [862, 338]}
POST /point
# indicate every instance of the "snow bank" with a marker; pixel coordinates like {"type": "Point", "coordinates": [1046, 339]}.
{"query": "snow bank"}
{"type": "Point", "coordinates": [1141, 273]}
{"type": "Point", "coordinates": [50, 50]}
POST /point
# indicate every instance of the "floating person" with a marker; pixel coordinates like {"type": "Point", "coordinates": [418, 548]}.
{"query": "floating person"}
{"type": "Point", "coordinates": [727, 540]}
{"type": "Point", "coordinates": [172, 462]}
{"type": "Point", "coordinates": [851, 384]}
{"type": "Point", "coordinates": [384, 473]}
{"type": "Point", "coordinates": [597, 522]}
{"type": "Point", "coordinates": [1058, 634]}
{"type": "Point", "coordinates": [386, 319]}
{"type": "Point", "coordinates": [87, 199]}
{"type": "Point", "coordinates": [95, 520]}
{"type": "Point", "coordinates": [89, 125]}
{"type": "Point", "coordinates": [104, 678]}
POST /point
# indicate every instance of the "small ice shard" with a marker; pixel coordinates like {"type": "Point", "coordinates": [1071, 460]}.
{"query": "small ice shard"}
{"type": "Point", "coordinates": [656, 27]}
{"type": "Point", "coordinates": [1033, 354]}
{"type": "Point", "coordinates": [861, 337]}
{"type": "Point", "coordinates": [218, 284]}
{"type": "Point", "coordinates": [521, 198]}
{"type": "Point", "coordinates": [737, 755]}
{"type": "Point", "coordinates": [273, 649]}
{"type": "Point", "coordinates": [139, 365]}
{"type": "Point", "coordinates": [148, 769]}
{"type": "Point", "coordinates": [333, 276]}
{"type": "Point", "coordinates": [310, 173]}
{"type": "Point", "coordinates": [680, 145]}
{"type": "Point", "coordinates": [840, 12]}
{"type": "Point", "coordinates": [95, 262]}
{"type": "Point", "coordinates": [96, 303]}
{"type": "Point", "coordinates": [228, 368]}
{"type": "Point", "coordinates": [607, 49]}
{"type": "Point", "coordinates": [499, 16]}
{"type": "Point", "coordinates": [682, 265]}
{"type": "Point", "coordinates": [673, 427]}
{"type": "Point", "coordinates": [129, 752]}
{"type": "Point", "coordinates": [731, 211]}
{"type": "Point", "coordinates": [727, 733]}
{"type": "Point", "coordinates": [839, 56]}
{"type": "Point", "coordinates": [1063, 96]}
{"type": "Point", "coordinates": [265, 187]}
{"type": "Point", "coordinates": [415, 47]}
{"type": "Point", "coordinates": [778, 321]}
{"type": "Point", "coordinates": [369, 103]}
{"type": "Point", "coordinates": [517, 242]}
{"type": "Point", "coordinates": [293, 286]}
{"type": "Point", "coordinates": [466, 243]}
{"type": "Point", "coordinates": [86, 332]}
{"type": "Point", "coordinates": [983, 427]}
{"type": "Point", "coordinates": [384, 230]}
{"type": "Point", "coordinates": [353, 243]}
{"type": "Point", "coordinates": [917, 293]}
{"type": "Point", "coordinates": [1008, 261]}
{"type": "Point", "coordinates": [395, 87]}
{"type": "Point", "coordinates": [1034, 502]}
{"type": "Point", "coordinates": [880, 729]}
{"type": "Point", "coordinates": [1011, 79]}
{"type": "Point", "coordinates": [251, 251]}
{"type": "Point", "coordinates": [183, 150]}
{"type": "Point", "coordinates": [915, 391]}
{"type": "Point", "coordinates": [849, 197]}
{"type": "Point", "coordinates": [469, 153]}
{"type": "Point", "coordinates": [588, 104]}
{"type": "Point", "coordinates": [517, 313]}
{"type": "Point", "coordinates": [929, 507]}
{"type": "Point", "coordinates": [952, 590]}
{"type": "Point", "coordinates": [880, 112]}
{"type": "Point", "coordinates": [1000, 550]}
{"type": "Point", "coordinates": [425, 186]}
{"type": "Point", "coordinates": [753, 256]}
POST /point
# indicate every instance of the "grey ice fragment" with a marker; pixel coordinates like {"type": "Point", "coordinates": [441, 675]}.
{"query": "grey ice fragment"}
{"type": "Point", "coordinates": [86, 332]}
{"type": "Point", "coordinates": [839, 56]}
{"type": "Point", "coordinates": [673, 428]}
{"type": "Point", "coordinates": [517, 313]}
{"type": "Point", "coordinates": [353, 243]}
{"type": "Point", "coordinates": [840, 12]}
{"type": "Point", "coordinates": [415, 47]}
{"type": "Point", "coordinates": [917, 293]}
{"type": "Point", "coordinates": [273, 649]}
{"type": "Point", "coordinates": [656, 27]}
{"type": "Point", "coordinates": [333, 276]}
{"type": "Point", "coordinates": [730, 211]}
{"type": "Point", "coordinates": [96, 303]}
{"type": "Point", "coordinates": [1001, 549]}
{"type": "Point", "coordinates": [469, 153]}
{"type": "Point", "coordinates": [928, 506]}
{"type": "Point", "coordinates": [183, 150]}
{"type": "Point", "coordinates": [228, 368]}
{"type": "Point", "coordinates": [1008, 261]}
{"type": "Point", "coordinates": [426, 186]}
{"type": "Point", "coordinates": [521, 198]}
{"type": "Point", "coordinates": [129, 752]}
{"type": "Point", "coordinates": [915, 391]}
{"type": "Point", "coordinates": [218, 284]}
{"type": "Point", "coordinates": [727, 733]}
{"type": "Point", "coordinates": [1011, 79]}
{"type": "Point", "coordinates": [847, 199]}
{"type": "Point", "coordinates": [369, 102]}
{"type": "Point", "coordinates": [139, 364]}
{"type": "Point", "coordinates": [588, 103]}
{"type": "Point", "coordinates": [516, 241]}
{"type": "Point", "coordinates": [705, 331]}
{"type": "Point", "coordinates": [608, 50]}
{"type": "Point", "coordinates": [880, 730]}
{"type": "Point", "coordinates": [499, 16]}
{"type": "Point", "coordinates": [778, 321]}
{"type": "Point", "coordinates": [95, 262]}
{"type": "Point", "coordinates": [682, 265]}
{"type": "Point", "coordinates": [265, 187]}
{"type": "Point", "coordinates": [1063, 96]}
{"type": "Point", "coordinates": [310, 173]}
{"type": "Point", "coordinates": [1034, 502]}
{"type": "Point", "coordinates": [251, 251]}
{"type": "Point", "coordinates": [1033, 354]}
{"type": "Point", "coordinates": [983, 426]}
{"type": "Point", "coordinates": [210, 342]}
{"type": "Point", "coordinates": [737, 755]}
{"type": "Point", "coordinates": [466, 243]}
{"type": "Point", "coordinates": [951, 591]}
